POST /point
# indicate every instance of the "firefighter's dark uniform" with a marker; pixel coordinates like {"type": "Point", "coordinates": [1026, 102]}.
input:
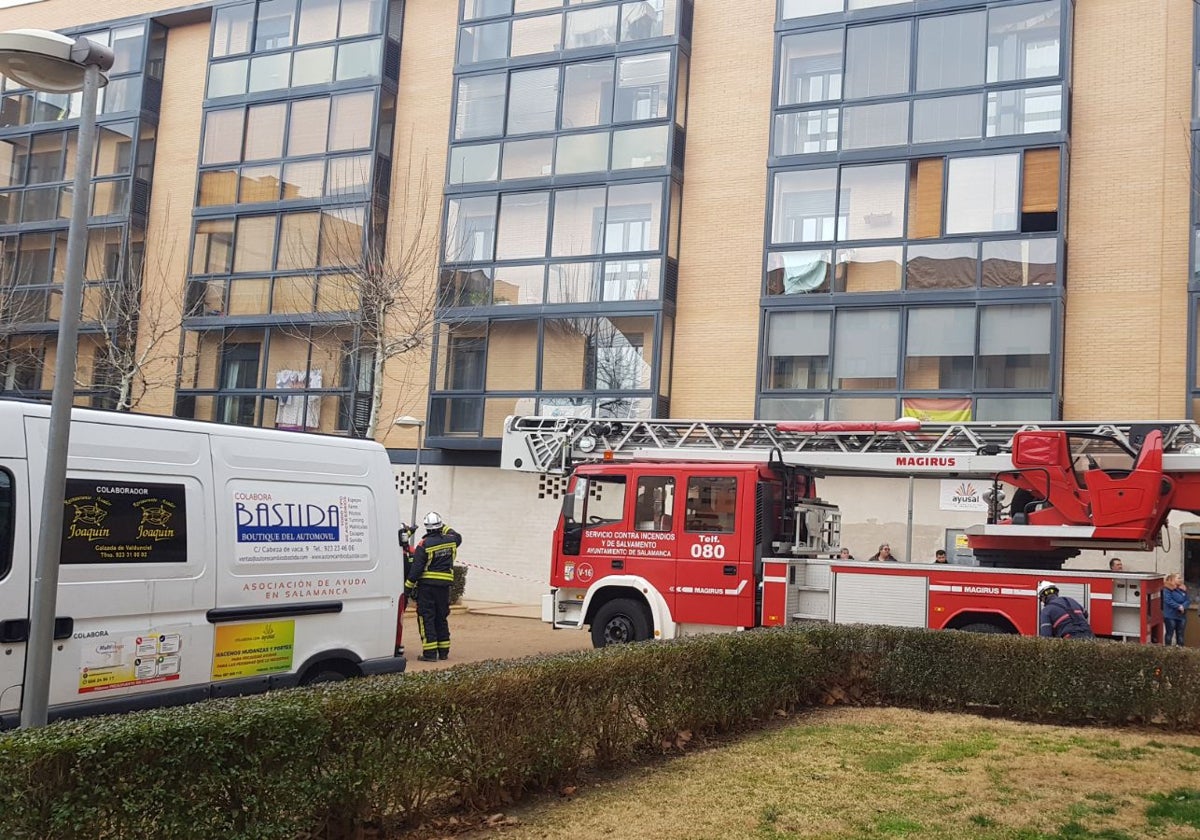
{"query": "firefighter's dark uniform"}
{"type": "Point", "coordinates": [431, 574]}
{"type": "Point", "coordinates": [1064, 618]}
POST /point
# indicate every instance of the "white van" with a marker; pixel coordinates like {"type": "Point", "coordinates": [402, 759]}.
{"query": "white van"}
{"type": "Point", "coordinates": [198, 560]}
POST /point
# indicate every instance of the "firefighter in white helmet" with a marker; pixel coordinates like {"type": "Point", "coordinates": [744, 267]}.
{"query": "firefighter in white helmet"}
{"type": "Point", "coordinates": [1061, 617]}
{"type": "Point", "coordinates": [429, 581]}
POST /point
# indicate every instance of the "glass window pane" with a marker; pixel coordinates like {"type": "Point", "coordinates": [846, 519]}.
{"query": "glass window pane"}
{"type": "Point", "coordinates": [808, 8]}
{"type": "Point", "coordinates": [528, 159]}
{"type": "Point", "coordinates": [127, 48]}
{"type": "Point", "coordinates": [866, 349]}
{"type": "Point", "coordinates": [348, 175]}
{"type": "Point", "coordinates": [218, 186]}
{"type": "Point", "coordinates": [212, 248]}
{"type": "Point", "coordinates": [806, 132]}
{"type": "Point", "coordinates": [307, 127]}
{"type": "Point", "coordinates": [312, 67]}
{"type": "Point", "coordinates": [1026, 111]}
{"type": "Point", "coordinates": [231, 29]}
{"type": "Point", "coordinates": [877, 59]}
{"type": "Point", "coordinates": [360, 60]}
{"type": "Point", "coordinates": [474, 164]}
{"type": "Point", "coordinates": [533, 101]}
{"type": "Point", "coordinates": [950, 51]}
{"type": "Point", "coordinates": [804, 206]}
{"type": "Point", "coordinates": [471, 229]}
{"type": "Point", "coordinates": [255, 243]}
{"type": "Point", "coordinates": [360, 17]}
{"type": "Point", "coordinates": [647, 19]}
{"type": "Point", "coordinates": [1023, 41]}
{"type": "Point", "coordinates": [341, 237]}
{"type": "Point", "coordinates": [1031, 409]}
{"type": "Point", "coordinates": [298, 234]}
{"type": "Point", "coordinates": [480, 111]}
{"type": "Point", "coordinates": [854, 5]}
{"type": "Point", "coordinates": [122, 95]}
{"type": "Point", "coordinates": [642, 86]}
{"type": "Point", "coordinates": [631, 280]}
{"type": "Point", "coordinates": [588, 94]}
{"type": "Point", "coordinates": [636, 148]}
{"type": "Point", "coordinates": [351, 121]}
{"type": "Point", "coordinates": [871, 201]}
{"type": "Point", "coordinates": [1014, 347]}
{"type": "Point", "coordinates": [797, 350]}
{"type": "Point", "coordinates": [799, 272]}
{"type": "Point", "coordinates": [531, 36]}
{"type": "Point", "coordinates": [578, 222]}
{"type": "Point", "coordinates": [574, 283]}
{"type": "Point", "coordinates": [868, 126]}
{"type": "Point", "coordinates": [947, 118]}
{"type": "Point", "coordinates": [108, 198]}
{"type": "Point", "coordinates": [518, 284]}
{"type": "Point", "coordinates": [521, 6]}
{"type": "Point", "coordinates": [868, 269]}
{"type": "Point", "coordinates": [581, 153]}
{"type": "Point", "coordinates": [810, 67]}
{"type": "Point", "coordinates": [259, 183]}
{"type": "Point", "coordinates": [522, 229]}
{"type": "Point", "coordinates": [942, 266]}
{"type": "Point", "coordinates": [982, 194]}
{"type": "Point", "coordinates": [223, 136]}
{"type": "Point", "coordinates": [1020, 262]}
{"type": "Point", "coordinates": [274, 28]}
{"type": "Point", "coordinates": [318, 21]}
{"type": "Point", "coordinates": [778, 408]}
{"type": "Point", "coordinates": [303, 180]}
{"type": "Point", "coordinates": [227, 78]}
{"type": "Point", "coordinates": [591, 27]}
{"type": "Point", "coordinates": [486, 8]}
{"type": "Point", "coordinates": [47, 162]}
{"type": "Point", "coordinates": [270, 72]}
{"type": "Point", "coordinates": [264, 131]}
{"type": "Point", "coordinates": [483, 42]}
{"type": "Point", "coordinates": [249, 297]}
{"type": "Point", "coordinates": [941, 348]}
{"type": "Point", "coordinates": [512, 355]}
{"type": "Point", "coordinates": [634, 218]}
{"type": "Point", "coordinates": [862, 408]}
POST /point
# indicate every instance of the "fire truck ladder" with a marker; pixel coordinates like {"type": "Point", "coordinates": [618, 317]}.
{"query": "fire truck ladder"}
{"type": "Point", "coordinates": [555, 444]}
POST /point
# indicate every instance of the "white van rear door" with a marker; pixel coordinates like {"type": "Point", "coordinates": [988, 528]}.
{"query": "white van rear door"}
{"type": "Point", "coordinates": [14, 582]}
{"type": "Point", "coordinates": [137, 576]}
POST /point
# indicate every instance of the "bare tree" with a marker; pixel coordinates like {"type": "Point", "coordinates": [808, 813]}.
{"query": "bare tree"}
{"type": "Point", "coordinates": [130, 324]}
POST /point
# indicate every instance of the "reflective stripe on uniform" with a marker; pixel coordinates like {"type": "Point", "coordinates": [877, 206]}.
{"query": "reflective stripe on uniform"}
{"type": "Point", "coordinates": [438, 576]}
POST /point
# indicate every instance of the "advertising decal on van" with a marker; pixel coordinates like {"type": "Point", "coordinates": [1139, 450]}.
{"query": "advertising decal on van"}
{"type": "Point", "coordinates": [133, 660]}
{"type": "Point", "coordinates": [299, 524]}
{"type": "Point", "coordinates": [248, 650]}
{"type": "Point", "coordinates": [124, 522]}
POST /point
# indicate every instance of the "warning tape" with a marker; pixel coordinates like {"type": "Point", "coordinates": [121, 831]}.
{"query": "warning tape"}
{"type": "Point", "coordinates": [499, 572]}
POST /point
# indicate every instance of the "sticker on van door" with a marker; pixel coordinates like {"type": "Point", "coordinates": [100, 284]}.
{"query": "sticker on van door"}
{"type": "Point", "coordinates": [248, 650]}
{"type": "Point", "coordinates": [301, 523]}
{"type": "Point", "coordinates": [140, 659]}
{"type": "Point", "coordinates": [124, 522]}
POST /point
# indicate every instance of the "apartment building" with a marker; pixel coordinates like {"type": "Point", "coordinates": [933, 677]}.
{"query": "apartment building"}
{"type": "Point", "coordinates": [783, 209]}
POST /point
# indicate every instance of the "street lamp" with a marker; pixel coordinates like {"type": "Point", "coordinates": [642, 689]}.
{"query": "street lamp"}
{"type": "Point", "coordinates": [54, 63]}
{"type": "Point", "coordinates": [410, 422]}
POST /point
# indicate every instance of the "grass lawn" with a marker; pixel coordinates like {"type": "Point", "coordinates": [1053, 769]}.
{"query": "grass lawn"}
{"type": "Point", "coordinates": [888, 773]}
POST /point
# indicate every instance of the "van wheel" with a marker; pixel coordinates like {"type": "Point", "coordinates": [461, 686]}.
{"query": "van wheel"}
{"type": "Point", "coordinates": [619, 622]}
{"type": "Point", "coordinates": [983, 627]}
{"type": "Point", "coordinates": [324, 674]}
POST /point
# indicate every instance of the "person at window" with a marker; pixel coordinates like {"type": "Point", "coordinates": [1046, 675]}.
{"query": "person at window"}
{"type": "Point", "coordinates": [1116, 565]}
{"type": "Point", "coordinates": [885, 554]}
{"type": "Point", "coordinates": [429, 580]}
{"type": "Point", "coordinates": [1175, 605]}
{"type": "Point", "coordinates": [845, 554]}
{"type": "Point", "coordinates": [1061, 617]}
{"type": "Point", "coordinates": [939, 556]}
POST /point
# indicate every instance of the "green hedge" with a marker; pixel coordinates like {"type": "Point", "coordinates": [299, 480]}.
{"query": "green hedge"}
{"type": "Point", "coordinates": [390, 750]}
{"type": "Point", "coordinates": [459, 584]}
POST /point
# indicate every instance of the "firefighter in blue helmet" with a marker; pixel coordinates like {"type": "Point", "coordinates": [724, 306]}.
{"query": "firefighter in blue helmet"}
{"type": "Point", "coordinates": [428, 582]}
{"type": "Point", "coordinates": [1061, 617]}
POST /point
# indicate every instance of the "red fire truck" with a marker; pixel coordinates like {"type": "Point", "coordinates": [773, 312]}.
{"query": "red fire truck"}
{"type": "Point", "coordinates": [672, 527]}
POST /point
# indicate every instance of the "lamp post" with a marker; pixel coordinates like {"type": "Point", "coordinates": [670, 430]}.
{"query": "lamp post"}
{"type": "Point", "coordinates": [54, 63]}
{"type": "Point", "coordinates": [410, 422]}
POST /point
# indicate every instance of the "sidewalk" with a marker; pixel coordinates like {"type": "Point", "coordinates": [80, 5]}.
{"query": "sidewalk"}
{"type": "Point", "coordinates": [494, 608]}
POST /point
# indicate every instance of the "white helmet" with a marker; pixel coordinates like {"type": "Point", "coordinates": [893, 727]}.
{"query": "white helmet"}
{"type": "Point", "coordinates": [1046, 589]}
{"type": "Point", "coordinates": [433, 519]}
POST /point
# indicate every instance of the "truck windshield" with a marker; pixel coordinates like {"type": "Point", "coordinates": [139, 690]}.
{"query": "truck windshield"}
{"type": "Point", "coordinates": [604, 500]}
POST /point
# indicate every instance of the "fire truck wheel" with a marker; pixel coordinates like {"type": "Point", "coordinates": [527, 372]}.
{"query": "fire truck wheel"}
{"type": "Point", "coordinates": [983, 627]}
{"type": "Point", "coordinates": [620, 621]}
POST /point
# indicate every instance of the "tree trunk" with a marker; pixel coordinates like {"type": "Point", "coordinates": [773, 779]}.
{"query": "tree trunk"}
{"type": "Point", "coordinates": [376, 386]}
{"type": "Point", "coordinates": [124, 401]}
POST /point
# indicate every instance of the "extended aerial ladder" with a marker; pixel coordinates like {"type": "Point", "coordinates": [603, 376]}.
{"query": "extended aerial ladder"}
{"type": "Point", "coordinates": [1074, 485]}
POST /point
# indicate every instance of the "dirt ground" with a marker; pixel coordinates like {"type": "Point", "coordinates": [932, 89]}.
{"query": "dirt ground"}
{"type": "Point", "coordinates": [475, 637]}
